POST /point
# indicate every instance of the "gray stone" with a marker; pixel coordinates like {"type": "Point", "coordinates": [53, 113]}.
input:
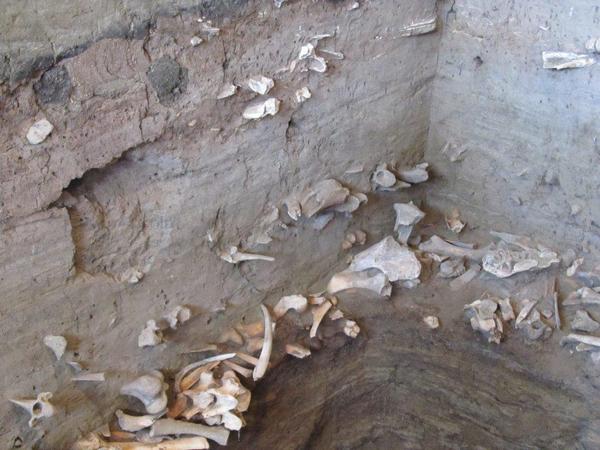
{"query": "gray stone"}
{"type": "Point", "coordinates": [168, 78]}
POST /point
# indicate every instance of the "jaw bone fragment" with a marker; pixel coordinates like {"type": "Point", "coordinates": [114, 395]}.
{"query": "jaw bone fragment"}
{"type": "Point", "coordinates": [582, 296]}
{"type": "Point", "coordinates": [432, 322]}
{"type": "Point", "coordinates": [372, 280]}
{"type": "Point", "coordinates": [407, 216]}
{"type": "Point", "coordinates": [261, 108]}
{"type": "Point", "coordinates": [297, 351]}
{"type": "Point", "coordinates": [566, 60]}
{"type": "Point", "coordinates": [260, 84]}
{"type": "Point", "coordinates": [453, 222]}
{"type": "Point", "coordinates": [96, 377]}
{"type": "Point", "coordinates": [318, 313]}
{"type": "Point", "coordinates": [167, 427]}
{"type": "Point", "coordinates": [134, 423]}
{"type": "Point", "coordinates": [394, 260]}
{"type": "Point", "coordinates": [322, 195]}
{"type": "Point", "coordinates": [37, 408]}
{"type": "Point", "coordinates": [227, 90]}
{"type": "Point", "coordinates": [265, 353]}
{"type": "Point", "coordinates": [151, 335]}
{"type": "Point", "coordinates": [297, 302]}
{"type": "Point", "coordinates": [415, 175]}
{"type": "Point", "coordinates": [178, 316]}
{"type": "Point", "coordinates": [583, 322]}
{"type": "Point", "coordinates": [504, 260]}
{"type": "Point", "coordinates": [58, 345]}
{"type": "Point", "coordinates": [351, 329]}
{"type": "Point", "coordinates": [233, 255]}
{"type": "Point", "coordinates": [150, 390]}
{"type": "Point", "coordinates": [452, 268]}
{"type": "Point", "coordinates": [39, 131]}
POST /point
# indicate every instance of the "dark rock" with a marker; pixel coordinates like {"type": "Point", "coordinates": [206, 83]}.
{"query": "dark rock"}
{"type": "Point", "coordinates": [54, 86]}
{"type": "Point", "coordinates": [168, 78]}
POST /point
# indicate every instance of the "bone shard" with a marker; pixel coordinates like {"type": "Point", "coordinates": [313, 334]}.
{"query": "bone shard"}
{"type": "Point", "coordinates": [39, 131]}
{"type": "Point", "coordinates": [260, 84]}
{"type": "Point", "coordinates": [407, 216]}
{"type": "Point", "coordinates": [177, 385]}
{"type": "Point", "coordinates": [526, 307]}
{"type": "Point", "coordinates": [233, 256]}
{"type": "Point", "coordinates": [227, 90]}
{"type": "Point", "coordinates": [574, 267]}
{"type": "Point", "coordinates": [265, 353]}
{"type": "Point", "coordinates": [384, 179]}
{"type": "Point", "coordinates": [453, 221]}
{"type": "Point", "coordinates": [38, 408]}
{"type": "Point", "coordinates": [302, 95]}
{"type": "Point", "coordinates": [297, 351]}
{"type": "Point", "coordinates": [151, 335]}
{"type": "Point", "coordinates": [506, 259]}
{"type": "Point", "coordinates": [582, 338]}
{"type": "Point", "coordinates": [95, 442]}
{"type": "Point", "coordinates": [432, 322]}
{"type": "Point", "coordinates": [177, 316]}
{"type": "Point", "coordinates": [58, 345]}
{"type": "Point", "coordinates": [417, 28]}
{"type": "Point", "coordinates": [439, 246]}
{"type": "Point", "coordinates": [150, 390]}
{"type": "Point", "coordinates": [317, 64]}
{"type": "Point", "coordinates": [318, 313]}
{"type": "Point", "coordinates": [261, 108]}
{"type": "Point", "coordinates": [397, 262]}
{"type": "Point", "coordinates": [583, 296]}
{"type": "Point", "coordinates": [95, 377]}
{"type": "Point", "coordinates": [566, 60]}
{"type": "Point", "coordinates": [414, 175]}
{"type": "Point", "coordinates": [167, 427]}
{"type": "Point", "coordinates": [506, 310]}
{"type": "Point", "coordinates": [372, 280]}
{"type": "Point", "coordinates": [296, 302]}
{"type": "Point", "coordinates": [483, 318]}
{"type": "Point", "coordinates": [134, 423]}
{"type": "Point", "coordinates": [322, 195]}
{"type": "Point", "coordinates": [584, 322]}
{"type": "Point", "coordinates": [452, 268]}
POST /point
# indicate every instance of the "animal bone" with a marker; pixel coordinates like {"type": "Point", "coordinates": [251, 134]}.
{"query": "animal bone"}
{"type": "Point", "coordinates": [77, 367]}
{"type": "Point", "coordinates": [372, 280]}
{"type": "Point", "coordinates": [334, 54]}
{"type": "Point", "coordinates": [306, 51]}
{"type": "Point", "coordinates": [506, 309]}
{"type": "Point", "coordinates": [151, 335]}
{"type": "Point", "coordinates": [95, 442]}
{"type": "Point", "coordinates": [357, 237]}
{"type": "Point", "coordinates": [233, 255]}
{"type": "Point", "coordinates": [394, 260]}
{"type": "Point", "coordinates": [93, 377]}
{"type": "Point", "coordinates": [583, 338]}
{"type": "Point", "coordinates": [574, 267]}
{"type": "Point", "coordinates": [466, 277]}
{"type": "Point", "coordinates": [227, 90]}
{"type": "Point", "coordinates": [58, 344]}
{"type": "Point", "coordinates": [260, 84]}
{"type": "Point", "coordinates": [418, 28]}
{"type": "Point", "coordinates": [261, 108]}
{"type": "Point", "coordinates": [317, 64]}
{"type": "Point", "coordinates": [503, 262]}
{"type": "Point", "coordinates": [302, 95]}
{"type": "Point", "coordinates": [246, 373]}
{"type": "Point", "coordinates": [37, 408]}
{"type": "Point", "coordinates": [179, 315]}
{"type": "Point", "coordinates": [593, 45]}
{"type": "Point", "coordinates": [131, 276]}
{"type": "Point", "coordinates": [297, 302]}
{"type": "Point", "coordinates": [247, 358]}
{"type": "Point", "coordinates": [351, 329]}
{"type": "Point", "coordinates": [321, 220]}
{"type": "Point", "coordinates": [187, 369]}
{"type": "Point", "coordinates": [566, 60]}
{"type": "Point", "coordinates": [350, 205]}
{"type": "Point", "coordinates": [383, 179]}
{"type": "Point", "coordinates": [336, 315]}
{"type": "Point", "coordinates": [150, 390]}
{"type": "Point", "coordinates": [452, 268]}
{"type": "Point", "coordinates": [583, 296]}
{"type": "Point", "coordinates": [195, 41]}
{"type": "Point", "coordinates": [407, 216]}
{"type": "Point", "coordinates": [297, 351]}
{"type": "Point", "coordinates": [417, 174]}
{"type": "Point", "coordinates": [197, 374]}
{"type": "Point", "coordinates": [526, 307]}
{"type": "Point", "coordinates": [265, 353]}
{"type": "Point", "coordinates": [39, 131]}
{"type": "Point", "coordinates": [439, 246]}
{"type": "Point", "coordinates": [221, 404]}
{"type": "Point", "coordinates": [318, 313]}
{"type": "Point", "coordinates": [453, 222]}
{"type": "Point", "coordinates": [134, 423]}
{"type": "Point", "coordinates": [166, 427]}
{"type": "Point", "coordinates": [583, 322]}
{"type": "Point", "coordinates": [432, 322]}
{"type": "Point", "coordinates": [322, 195]}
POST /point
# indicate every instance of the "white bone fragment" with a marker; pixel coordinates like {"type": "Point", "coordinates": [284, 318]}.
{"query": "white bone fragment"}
{"type": "Point", "coordinates": [414, 175]}
{"type": "Point", "coordinates": [465, 278]}
{"type": "Point", "coordinates": [247, 358]}
{"type": "Point", "coordinates": [207, 348]}
{"type": "Point", "coordinates": [332, 53]}
{"type": "Point", "coordinates": [265, 353]}
{"type": "Point", "coordinates": [297, 351]}
{"type": "Point", "coordinates": [150, 390]}
{"type": "Point", "coordinates": [322, 195]}
{"type": "Point", "coordinates": [231, 421]}
{"type": "Point", "coordinates": [573, 268]}
{"type": "Point", "coordinates": [407, 216]}
{"type": "Point", "coordinates": [582, 338]}
{"type": "Point", "coordinates": [318, 313]}
{"type": "Point", "coordinates": [58, 345]}
{"type": "Point", "coordinates": [297, 302]}
{"type": "Point", "coordinates": [243, 371]}
{"type": "Point", "coordinates": [417, 28]}
{"type": "Point", "coordinates": [453, 221]}
{"type": "Point", "coordinates": [76, 366]}
{"type": "Point", "coordinates": [177, 316]}
{"type": "Point", "coordinates": [37, 408]}
{"type": "Point", "coordinates": [95, 377]}
{"type": "Point", "coordinates": [316, 300]}
{"type": "Point", "coordinates": [279, 3]}
{"type": "Point", "coordinates": [302, 95]}
{"type": "Point", "coordinates": [566, 60]}
{"type": "Point", "coordinates": [183, 372]}
{"type": "Point", "coordinates": [383, 179]}
{"type": "Point", "coordinates": [151, 335]}
{"type": "Point", "coordinates": [336, 315]}
{"type": "Point", "coordinates": [441, 247]}
{"type": "Point", "coordinates": [195, 41]}
{"type": "Point", "coordinates": [320, 37]}
{"type": "Point", "coordinates": [135, 423]}
{"type": "Point", "coordinates": [167, 427]}
{"type": "Point", "coordinates": [372, 280]}
{"type": "Point", "coordinates": [397, 262]}
{"type": "Point", "coordinates": [526, 307]}
{"type": "Point", "coordinates": [503, 261]}
{"type": "Point", "coordinates": [583, 322]}
{"type": "Point", "coordinates": [227, 90]}
{"type": "Point", "coordinates": [233, 255]}
{"type": "Point", "coordinates": [39, 131]}
{"type": "Point", "coordinates": [94, 442]}
{"type": "Point", "coordinates": [353, 6]}
{"type": "Point", "coordinates": [132, 276]}
{"type": "Point", "coordinates": [432, 322]}
{"type": "Point", "coordinates": [506, 309]}
{"type": "Point", "coordinates": [223, 402]}
{"type": "Point", "coordinates": [556, 312]}
{"type": "Point", "coordinates": [351, 329]}
{"type": "Point", "coordinates": [306, 51]}
{"type": "Point", "coordinates": [452, 268]}
{"type": "Point", "coordinates": [317, 64]}
{"type": "Point", "coordinates": [261, 108]}
{"type": "Point", "coordinates": [292, 204]}
{"type": "Point", "coordinates": [260, 84]}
